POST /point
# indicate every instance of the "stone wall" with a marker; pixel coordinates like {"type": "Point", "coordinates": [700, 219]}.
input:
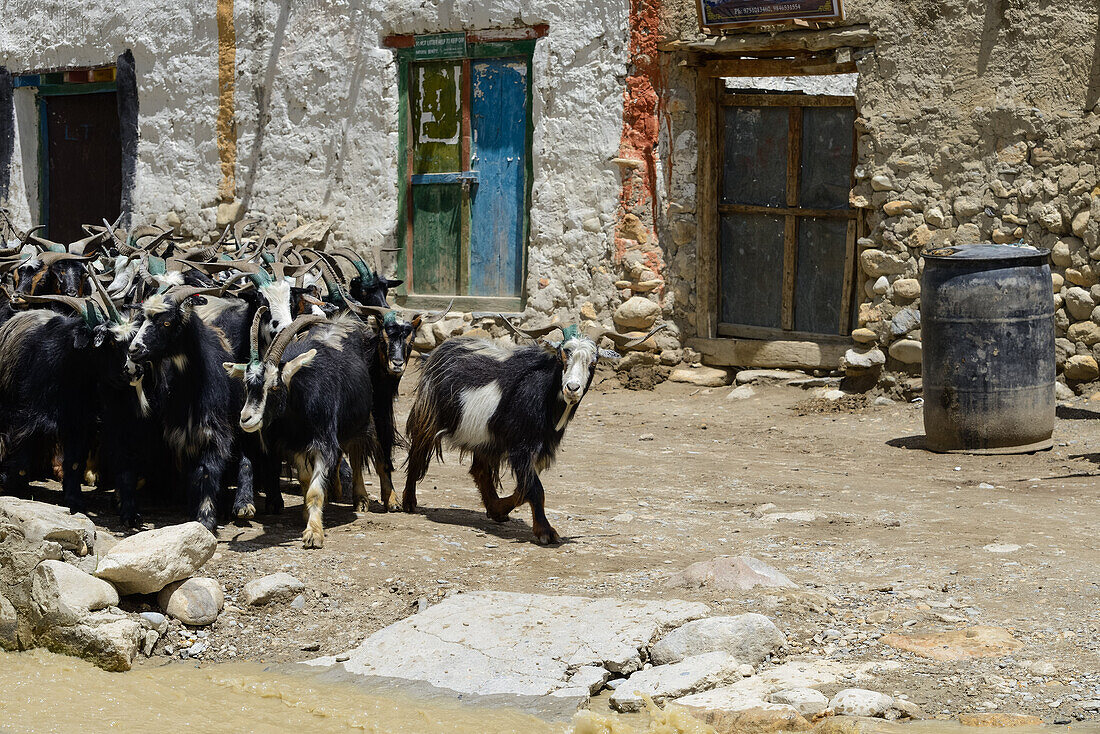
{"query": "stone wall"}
{"type": "Point", "coordinates": [978, 121]}
{"type": "Point", "coordinates": [316, 114]}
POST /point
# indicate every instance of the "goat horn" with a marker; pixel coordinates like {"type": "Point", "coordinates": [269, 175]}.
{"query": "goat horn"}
{"type": "Point", "coordinates": [622, 341]}
{"type": "Point", "coordinates": [356, 261]}
{"type": "Point", "coordinates": [77, 304]}
{"type": "Point", "coordinates": [231, 281]}
{"type": "Point", "coordinates": [254, 334]}
{"type": "Point", "coordinates": [106, 298]}
{"type": "Point", "coordinates": [360, 309]}
{"type": "Point", "coordinates": [27, 236]}
{"type": "Point", "coordinates": [532, 334]}
{"type": "Point", "coordinates": [49, 258]}
{"type": "Point", "coordinates": [440, 316]}
{"type": "Point", "coordinates": [283, 338]}
{"type": "Point", "coordinates": [180, 293]}
{"type": "Point", "coordinates": [50, 245]}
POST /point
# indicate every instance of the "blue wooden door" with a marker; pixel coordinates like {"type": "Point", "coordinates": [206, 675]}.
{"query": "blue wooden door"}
{"type": "Point", "coordinates": [498, 116]}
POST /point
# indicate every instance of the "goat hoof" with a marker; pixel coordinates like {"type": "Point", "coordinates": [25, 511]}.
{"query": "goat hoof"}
{"type": "Point", "coordinates": [547, 536]}
{"type": "Point", "coordinates": [392, 505]}
{"type": "Point", "coordinates": [133, 521]}
{"type": "Point", "coordinates": [409, 507]}
{"type": "Point", "coordinates": [311, 539]}
{"type": "Point", "coordinates": [496, 516]}
{"type": "Point", "coordinates": [245, 512]}
{"type": "Point", "coordinates": [362, 505]}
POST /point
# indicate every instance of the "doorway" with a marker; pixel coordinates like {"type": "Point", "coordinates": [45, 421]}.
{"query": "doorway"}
{"type": "Point", "coordinates": [80, 160]}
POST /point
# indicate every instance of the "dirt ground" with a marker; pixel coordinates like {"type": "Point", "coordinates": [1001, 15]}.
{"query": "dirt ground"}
{"type": "Point", "coordinates": [888, 537]}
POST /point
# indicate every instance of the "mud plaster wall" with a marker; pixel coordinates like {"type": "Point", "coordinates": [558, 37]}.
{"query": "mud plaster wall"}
{"type": "Point", "coordinates": [979, 121]}
{"type": "Point", "coordinates": [316, 114]}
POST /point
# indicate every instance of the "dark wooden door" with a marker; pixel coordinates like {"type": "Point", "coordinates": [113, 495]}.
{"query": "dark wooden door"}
{"type": "Point", "coordinates": [83, 167]}
{"type": "Point", "coordinates": [786, 235]}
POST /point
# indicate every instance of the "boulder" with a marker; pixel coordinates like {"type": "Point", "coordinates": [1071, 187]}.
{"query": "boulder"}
{"type": "Point", "coordinates": [730, 572]}
{"type": "Point", "coordinates": [701, 376]}
{"type": "Point", "coordinates": [861, 702]}
{"type": "Point", "coordinates": [109, 640]}
{"type": "Point", "coordinates": [876, 262]}
{"type": "Point", "coordinates": [741, 392]}
{"type": "Point", "coordinates": [40, 521]}
{"type": "Point", "coordinates": [63, 594]}
{"type": "Point", "coordinates": [661, 682]}
{"type": "Point", "coordinates": [807, 701]}
{"type": "Point", "coordinates": [1085, 332]}
{"type": "Point", "coordinates": [753, 377]}
{"type": "Point", "coordinates": [863, 335]}
{"type": "Point", "coordinates": [637, 312]}
{"type": "Point", "coordinates": [9, 625]}
{"type": "Point", "coordinates": [748, 637]}
{"type": "Point", "coordinates": [1079, 303]}
{"type": "Point", "coordinates": [146, 562]}
{"type": "Point", "coordinates": [897, 207]}
{"type": "Point", "coordinates": [196, 601]}
{"type": "Point", "coordinates": [907, 351]}
{"type": "Point", "coordinates": [274, 587]}
{"type": "Point", "coordinates": [908, 288]}
{"type": "Point", "coordinates": [1081, 368]}
{"type": "Point", "coordinates": [862, 359]}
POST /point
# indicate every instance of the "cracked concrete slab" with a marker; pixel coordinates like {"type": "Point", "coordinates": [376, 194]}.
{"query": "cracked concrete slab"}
{"type": "Point", "coordinates": [494, 642]}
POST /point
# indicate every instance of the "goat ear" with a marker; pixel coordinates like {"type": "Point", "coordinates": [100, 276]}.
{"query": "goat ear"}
{"type": "Point", "coordinates": [393, 283]}
{"type": "Point", "coordinates": [82, 338]}
{"type": "Point", "coordinates": [234, 370]}
{"type": "Point", "coordinates": [291, 368]}
{"type": "Point", "coordinates": [609, 354]}
{"type": "Point", "coordinates": [416, 322]}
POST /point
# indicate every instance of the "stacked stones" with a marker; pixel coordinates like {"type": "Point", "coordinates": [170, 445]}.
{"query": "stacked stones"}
{"type": "Point", "coordinates": [1030, 184]}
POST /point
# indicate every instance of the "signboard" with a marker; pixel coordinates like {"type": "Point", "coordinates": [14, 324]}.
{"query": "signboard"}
{"type": "Point", "coordinates": [720, 13]}
{"type": "Point", "coordinates": [439, 46]}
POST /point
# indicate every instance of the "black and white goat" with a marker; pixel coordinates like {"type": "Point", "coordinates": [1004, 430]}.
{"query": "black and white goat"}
{"type": "Point", "coordinates": [503, 404]}
{"type": "Point", "coordinates": [311, 399]}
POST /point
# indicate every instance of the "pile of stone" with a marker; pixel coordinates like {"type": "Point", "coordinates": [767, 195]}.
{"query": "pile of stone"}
{"type": "Point", "coordinates": [61, 583]}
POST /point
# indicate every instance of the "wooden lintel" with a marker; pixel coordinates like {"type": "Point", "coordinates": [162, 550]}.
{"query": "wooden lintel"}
{"type": "Point", "coordinates": [775, 67]}
{"type": "Point", "coordinates": [857, 36]}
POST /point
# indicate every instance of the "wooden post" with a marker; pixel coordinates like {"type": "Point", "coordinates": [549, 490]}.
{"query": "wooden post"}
{"type": "Point", "coordinates": [706, 206]}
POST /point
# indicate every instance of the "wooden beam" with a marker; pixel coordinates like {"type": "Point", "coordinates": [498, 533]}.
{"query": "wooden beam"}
{"type": "Point", "coordinates": [779, 211]}
{"type": "Point", "coordinates": [776, 67]}
{"type": "Point", "coordinates": [787, 100]}
{"type": "Point", "coordinates": [857, 36]}
{"type": "Point", "coordinates": [771, 354]}
{"type": "Point", "coordinates": [706, 175]}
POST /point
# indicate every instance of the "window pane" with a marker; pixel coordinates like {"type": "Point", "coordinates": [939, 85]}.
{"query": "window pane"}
{"type": "Point", "coordinates": [436, 116]}
{"type": "Point", "coordinates": [751, 257]}
{"type": "Point", "coordinates": [826, 157]}
{"type": "Point", "coordinates": [819, 280]}
{"type": "Point", "coordinates": [754, 156]}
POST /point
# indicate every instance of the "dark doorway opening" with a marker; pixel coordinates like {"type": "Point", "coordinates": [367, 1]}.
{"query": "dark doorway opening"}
{"type": "Point", "coordinates": [81, 163]}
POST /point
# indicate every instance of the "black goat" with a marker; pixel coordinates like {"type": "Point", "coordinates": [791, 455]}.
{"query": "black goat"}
{"type": "Point", "coordinates": [312, 400]}
{"type": "Point", "coordinates": [502, 404]}
{"type": "Point", "coordinates": [195, 399]}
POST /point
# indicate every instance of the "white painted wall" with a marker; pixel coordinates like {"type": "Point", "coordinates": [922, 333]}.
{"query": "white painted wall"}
{"type": "Point", "coordinates": [317, 113]}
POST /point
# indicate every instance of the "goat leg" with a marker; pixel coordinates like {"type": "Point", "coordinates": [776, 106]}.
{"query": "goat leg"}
{"type": "Point", "coordinates": [74, 461]}
{"type": "Point", "coordinates": [244, 503]}
{"type": "Point", "coordinates": [535, 495]}
{"type": "Point", "coordinates": [359, 489]}
{"type": "Point", "coordinates": [314, 480]}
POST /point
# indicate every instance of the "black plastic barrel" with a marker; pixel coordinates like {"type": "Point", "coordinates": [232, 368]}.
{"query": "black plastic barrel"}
{"type": "Point", "coordinates": [987, 334]}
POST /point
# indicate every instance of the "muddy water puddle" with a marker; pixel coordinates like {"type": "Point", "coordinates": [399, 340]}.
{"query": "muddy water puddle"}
{"type": "Point", "coordinates": [44, 692]}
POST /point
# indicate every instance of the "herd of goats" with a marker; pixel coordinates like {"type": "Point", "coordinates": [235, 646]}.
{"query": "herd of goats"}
{"type": "Point", "coordinates": [202, 372]}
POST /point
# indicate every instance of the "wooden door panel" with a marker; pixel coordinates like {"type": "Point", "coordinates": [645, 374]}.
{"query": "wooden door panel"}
{"type": "Point", "coordinates": [826, 157]}
{"type": "Point", "coordinates": [751, 267]}
{"type": "Point", "coordinates": [754, 156]}
{"type": "Point", "coordinates": [499, 120]}
{"type": "Point", "coordinates": [83, 162]}
{"type": "Point", "coordinates": [436, 230]}
{"type": "Point", "coordinates": [437, 117]}
{"type": "Point", "coordinates": [821, 274]}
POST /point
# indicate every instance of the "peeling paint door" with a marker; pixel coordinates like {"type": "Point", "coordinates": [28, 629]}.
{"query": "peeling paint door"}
{"type": "Point", "coordinates": [82, 171]}
{"type": "Point", "coordinates": [468, 138]}
{"type": "Point", "coordinates": [499, 119]}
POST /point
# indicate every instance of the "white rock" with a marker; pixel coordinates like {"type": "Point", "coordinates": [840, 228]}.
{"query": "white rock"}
{"type": "Point", "coordinates": [863, 359]}
{"type": "Point", "coordinates": [9, 625]}
{"type": "Point", "coordinates": [40, 521]}
{"type": "Point", "coordinates": [748, 637]}
{"type": "Point", "coordinates": [1079, 303]}
{"type": "Point", "coordinates": [752, 377]}
{"type": "Point", "coordinates": [590, 677]}
{"type": "Point", "coordinates": [881, 182]}
{"type": "Point", "coordinates": [146, 562]}
{"type": "Point", "coordinates": [860, 702]}
{"type": "Point", "coordinates": [497, 642]}
{"type": "Point", "coordinates": [806, 700]}
{"type": "Point", "coordinates": [741, 392]}
{"type": "Point", "coordinates": [275, 587]}
{"type": "Point", "coordinates": [637, 312]}
{"type": "Point", "coordinates": [63, 593]}
{"type": "Point", "coordinates": [108, 640]}
{"type": "Point", "coordinates": [880, 286]}
{"type": "Point", "coordinates": [1001, 548]}
{"type": "Point", "coordinates": [1062, 391]}
{"type": "Point", "coordinates": [155, 621]}
{"type": "Point", "coordinates": [195, 601]}
{"type": "Point", "coordinates": [1043, 668]}
{"type": "Point", "coordinates": [730, 572]}
{"type": "Point", "coordinates": [661, 682]}
{"type": "Point", "coordinates": [701, 376]}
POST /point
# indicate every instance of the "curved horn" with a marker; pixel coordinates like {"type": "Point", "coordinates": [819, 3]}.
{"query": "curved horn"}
{"type": "Point", "coordinates": [181, 293]}
{"type": "Point", "coordinates": [77, 304]}
{"type": "Point", "coordinates": [356, 261]}
{"type": "Point", "coordinates": [622, 341]}
{"type": "Point", "coordinates": [283, 338]}
{"type": "Point", "coordinates": [108, 304]}
{"type": "Point", "coordinates": [254, 334]}
{"type": "Point", "coordinates": [362, 311]}
{"type": "Point", "coordinates": [49, 258]}
{"type": "Point", "coordinates": [50, 245]}
{"type": "Point", "coordinates": [26, 237]}
{"type": "Point", "coordinates": [231, 281]}
{"type": "Point", "coordinates": [532, 334]}
{"type": "Point", "coordinates": [440, 316]}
